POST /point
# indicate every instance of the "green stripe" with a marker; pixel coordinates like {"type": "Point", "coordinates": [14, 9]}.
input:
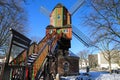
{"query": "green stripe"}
{"type": "Point", "coordinates": [62, 16]}
{"type": "Point", "coordinates": [33, 75]}
{"type": "Point", "coordinates": [55, 17]}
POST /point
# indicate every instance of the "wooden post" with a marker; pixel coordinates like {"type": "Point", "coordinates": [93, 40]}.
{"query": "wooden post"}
{"type": "Point", "coordinates": [9, 51]}
{"type": "Point", "coordinates": [5, 68]}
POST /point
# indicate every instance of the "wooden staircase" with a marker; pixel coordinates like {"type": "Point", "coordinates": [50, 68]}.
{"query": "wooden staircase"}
{"type": "Point", "coordinates": [37, 56]}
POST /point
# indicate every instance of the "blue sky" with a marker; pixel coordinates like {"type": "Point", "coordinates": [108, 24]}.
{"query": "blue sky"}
{"type": "Point", "coordinates": [37, 21]}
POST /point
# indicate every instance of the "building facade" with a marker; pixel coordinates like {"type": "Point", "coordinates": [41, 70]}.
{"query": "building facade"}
{"type": "Point", "coordinates": [83, 63]}
{"type": "Point", "coordinates": [93, 60]}
{"type": "Point", "coordinates": [103, 63]}
{"type": "Point", "coordinates": [98, 60]}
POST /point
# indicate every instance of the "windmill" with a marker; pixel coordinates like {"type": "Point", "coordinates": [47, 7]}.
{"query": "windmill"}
{"type": "Point", "coordinates": [60, 22]}
{"type": "Point", "coordinates": [50, 56]}
{"type": "Point", "coordinates": [76, 32]}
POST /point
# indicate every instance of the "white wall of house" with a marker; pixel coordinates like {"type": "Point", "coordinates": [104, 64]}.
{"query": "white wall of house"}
{"type": "Point", "coordinates": [113, 66]}
{"type": "Point", "coordinates": [83, 64]}
{"type": "Point", "coordinates": [102, 62]}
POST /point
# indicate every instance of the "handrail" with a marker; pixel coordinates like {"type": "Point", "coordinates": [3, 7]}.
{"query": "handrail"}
{"type": "Point", "coordinates": [42, 53]}
{"type": "Point", "coordinates": [49, 42]}
{"type": "Point", "coordinates": [39, 53]}
{"type": "Point", "coordinates": [38, 75]}
{"type": "Point", "coordinates": [43, 47]}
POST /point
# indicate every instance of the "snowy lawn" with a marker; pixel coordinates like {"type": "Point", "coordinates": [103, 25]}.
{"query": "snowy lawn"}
{"type": "Point", "coordinates": [108, 77]}
{"type": "Point", "coordinates": [93, 75]}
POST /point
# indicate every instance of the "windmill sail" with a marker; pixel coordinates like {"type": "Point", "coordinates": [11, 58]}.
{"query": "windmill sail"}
{"type": "Point", "coordinates": [45, 11]}
{"type": "Point", "coordinates": [73, 9]}
{"type": "Point", "coordinates": [76, 6]}
{"type": "Point", "coordinates": [81, 37]}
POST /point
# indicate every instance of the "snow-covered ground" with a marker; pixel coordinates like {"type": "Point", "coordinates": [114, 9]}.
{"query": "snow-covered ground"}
{"type": "Point", "coordinates": [104, 76]}
{"type": "Point", "coordinates": [93, 75]}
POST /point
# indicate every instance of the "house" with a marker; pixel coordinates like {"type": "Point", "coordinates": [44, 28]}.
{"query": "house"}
{"type": "Point", "coordinates": [83, 63]}
{"type": "Point", "coordinates": [102, 62]}
{"type": "Point", "coordinates": [68, 65]}
{"type": "Point", "coordinates": [98, 60]}
{"type": "Point", "coordinates": [93, 60]}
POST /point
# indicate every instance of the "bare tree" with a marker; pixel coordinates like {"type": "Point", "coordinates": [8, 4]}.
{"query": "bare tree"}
{"type": "Point", "coordinates": [83, 57]}
{"type": "Point", "coordinates": [104, 20]}
{"type": "Point", "coordinates": [93, 60]}
{"type": "Point", "coordinates": [109, 51]}
{"type": "Point", "coordinates": [12, 15]}
{"type": "Point", "coordinates": [117, 57]}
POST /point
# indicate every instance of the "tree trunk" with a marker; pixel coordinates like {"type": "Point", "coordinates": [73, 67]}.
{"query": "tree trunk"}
{"type": "Point", "coordinates": [81, 64]}
{"type": "Point", "coordinates": [110, 67]}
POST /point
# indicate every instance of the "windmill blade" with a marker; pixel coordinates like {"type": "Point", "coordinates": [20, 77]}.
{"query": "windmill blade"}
{"type": "Point", "coordinates": [45, 11]}
{"type": "Point", "coordinates": [81, 37]}
{"type": "Point", "coordinates": [76, 6]}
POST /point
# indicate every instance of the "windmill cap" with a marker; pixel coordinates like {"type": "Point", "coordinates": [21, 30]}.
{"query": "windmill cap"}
{"type": "Point", "coordinates": [59, 5]}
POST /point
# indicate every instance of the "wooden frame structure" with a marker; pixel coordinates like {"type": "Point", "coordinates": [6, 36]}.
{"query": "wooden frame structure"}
{"type": "Point", "coordinates": [23, 42]}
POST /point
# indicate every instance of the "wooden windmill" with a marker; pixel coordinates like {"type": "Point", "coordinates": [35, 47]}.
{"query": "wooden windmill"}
{"type": "Point", "coordinates": [61, 23]}
{"type": "Point", "coordinates": [61, 17]}
{"type": "Point", "coordinates": [50, 57]}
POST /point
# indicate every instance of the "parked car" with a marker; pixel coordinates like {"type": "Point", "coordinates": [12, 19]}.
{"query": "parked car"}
{"type": "Point", "coordinates": [116, 71]}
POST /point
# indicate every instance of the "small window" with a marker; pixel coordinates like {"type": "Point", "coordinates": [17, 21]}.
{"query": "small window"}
{"type": "Point", "coordinates": [58, 16]}
{"type": "Point", "coordinates": [66, 66]}
{"type": "Point", "coordinates": [65, 30]}
{"type": "Point", "coordinates": [64, 17]}
{"type": "Point", "coordinates": [58, 31]}
{"type": "Point", "coordinates": [50, 31]}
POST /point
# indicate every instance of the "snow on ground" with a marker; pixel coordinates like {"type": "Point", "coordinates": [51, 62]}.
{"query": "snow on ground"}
{"type": "Point", "coordinates": [93, 75]}
{"type": "Point", "coordinates": [108, 77]}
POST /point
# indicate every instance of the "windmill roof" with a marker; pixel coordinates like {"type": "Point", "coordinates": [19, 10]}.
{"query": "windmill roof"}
{"type": "Point", "coordinates": [59, 5]}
